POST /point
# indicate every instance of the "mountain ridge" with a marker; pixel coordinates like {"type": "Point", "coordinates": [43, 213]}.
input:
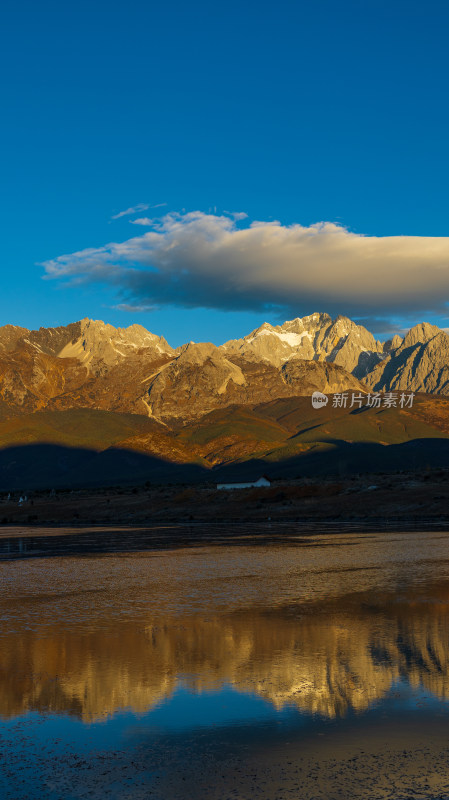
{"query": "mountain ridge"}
{"type": "Point", "coordinates": [92, 364]}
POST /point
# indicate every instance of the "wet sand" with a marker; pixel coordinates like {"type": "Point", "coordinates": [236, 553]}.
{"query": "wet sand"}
{"type": "Point", "coordinates": [384, 759]}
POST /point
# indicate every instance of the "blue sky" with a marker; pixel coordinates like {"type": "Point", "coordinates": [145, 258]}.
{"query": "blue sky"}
{"type": "Point", "coordinates": [296, 112]}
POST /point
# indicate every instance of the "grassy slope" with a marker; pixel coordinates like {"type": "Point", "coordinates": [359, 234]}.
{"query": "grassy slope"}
{"type": "Point", "coordinates": [290, 426]}
{"type": "Point", "coordinates": [234, 421]}
{"type": "Point", "coordinates": [81, 427]}
{"type": "Point", "coordinates": [272, 432]}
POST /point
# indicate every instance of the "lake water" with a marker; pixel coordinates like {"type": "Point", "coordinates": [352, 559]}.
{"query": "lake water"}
{"type": "Point", "coordinates": [302, 667]}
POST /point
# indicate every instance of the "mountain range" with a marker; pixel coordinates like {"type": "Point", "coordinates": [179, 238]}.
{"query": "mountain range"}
{"type": "Point", "coordinates": [90, 364]}
{"type": "Point", "coordinates": [94, 386]}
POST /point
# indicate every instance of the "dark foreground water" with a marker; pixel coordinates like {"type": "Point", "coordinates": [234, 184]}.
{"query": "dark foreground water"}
{"type": "Point", "coordinates": [302, 667]}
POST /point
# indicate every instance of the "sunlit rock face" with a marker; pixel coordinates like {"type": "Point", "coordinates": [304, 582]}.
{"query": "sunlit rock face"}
{"type": "Point", "coordinates": [90, 364]}
{"type": "Point", "coordinates": [86, 364]}
{"type": "Point", "coordinates": [196, 381]}
{"type": "Point", "coordinates": [314, 338]}
{"type": "Point", "coordinates": [419, 364]}
{"type": "Point", "coordinates": [202, 378]}
{"type": "Point", "coordinates": [323, 660]}
{"type": "Point", "coordinates": [30, 379]}
{"type": "Point", "coordinates": [101, 346]}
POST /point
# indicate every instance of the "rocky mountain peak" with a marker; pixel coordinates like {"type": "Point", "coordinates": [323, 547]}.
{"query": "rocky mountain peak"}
{"type": "Point", "coordinates": [197, 353]}
{"type": "Point", "coordinates": [309, 323]}
{"type": "Point", "coordinates": [314, 338]}
{"type": "Point", "coordinates": [392, 344]}
{"type": "Point", "coordinates": [419, 334]}
{"type": "Point", "coordinates": [10, 335]}
{"type": "Point", "coordinates": [100, 346]}
{"type": "Point", "coordinates": [93, 364]}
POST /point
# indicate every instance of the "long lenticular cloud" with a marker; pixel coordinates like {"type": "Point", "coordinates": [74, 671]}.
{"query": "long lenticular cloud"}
{"type": "Point", "coordinates": [204, 260]}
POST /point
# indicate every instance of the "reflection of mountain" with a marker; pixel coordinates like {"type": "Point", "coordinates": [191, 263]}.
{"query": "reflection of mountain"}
{"type": "Point", "coordinates": [323, 660]}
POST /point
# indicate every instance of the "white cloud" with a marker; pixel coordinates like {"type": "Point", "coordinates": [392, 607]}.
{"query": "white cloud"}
{"type": "Point", "coordinates": [132, 210]}
{"type": "Point", "coordinates": [206, 260]}
{"type": "Point", "coordinates": [136, 210]}
{"type": "Point", "coordinates": [237, 215]}
{"type": "Point", "coordinates": [134, 309]}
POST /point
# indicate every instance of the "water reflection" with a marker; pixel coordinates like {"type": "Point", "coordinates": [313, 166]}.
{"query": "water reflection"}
{"type": "Point", "coordinates": [324, 658]}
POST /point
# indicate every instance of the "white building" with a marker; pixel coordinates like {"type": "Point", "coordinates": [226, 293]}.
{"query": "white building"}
{"type": "Point", "coordinates": [263, 481]}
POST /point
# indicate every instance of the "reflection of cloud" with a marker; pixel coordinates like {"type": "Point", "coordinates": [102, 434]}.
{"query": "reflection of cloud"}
{"type": "Point", "coordinates": [205, 260]}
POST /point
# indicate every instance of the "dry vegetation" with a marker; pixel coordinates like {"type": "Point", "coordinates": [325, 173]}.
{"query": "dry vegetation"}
{"type": "Point", "coordinates": [383, 497]}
